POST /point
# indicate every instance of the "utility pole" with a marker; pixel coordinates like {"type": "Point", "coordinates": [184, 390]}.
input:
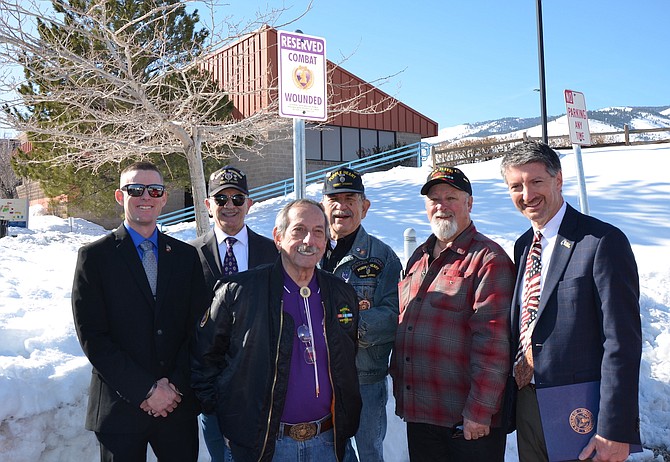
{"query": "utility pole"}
{"type": "Point", "coordinates": [543, 87]}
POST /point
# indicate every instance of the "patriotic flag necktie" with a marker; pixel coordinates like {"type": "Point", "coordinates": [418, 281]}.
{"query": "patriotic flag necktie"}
{"type": "Point", "coordinates": [523, 362]}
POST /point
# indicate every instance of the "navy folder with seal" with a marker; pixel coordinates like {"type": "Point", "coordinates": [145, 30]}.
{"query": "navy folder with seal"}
{"type": "Point", "coordinates": [569, 415]}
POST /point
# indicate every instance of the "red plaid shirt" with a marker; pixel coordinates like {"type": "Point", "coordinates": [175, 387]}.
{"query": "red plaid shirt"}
{"type": "Point", "coordinates": [451, 356]}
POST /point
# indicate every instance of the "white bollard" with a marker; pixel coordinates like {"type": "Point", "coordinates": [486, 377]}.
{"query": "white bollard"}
{"type": "Point", "coordinates": [409, 243]}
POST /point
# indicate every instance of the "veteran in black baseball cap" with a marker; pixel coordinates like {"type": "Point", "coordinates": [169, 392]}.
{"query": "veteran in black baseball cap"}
{"type": "Point", "coordinates": [449, 175]}
{"type": "Point", "coordinates": [343, 180]}
{"type": "Point", "coordinates": [227, 177]}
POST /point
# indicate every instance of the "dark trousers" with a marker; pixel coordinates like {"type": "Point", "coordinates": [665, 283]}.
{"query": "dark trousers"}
{"type": "Point", "coordinates": [529, 434]}
{"type": "Point", "coordinates": [171, 442]}
{"type": "Point", "coordinates": [432, 443]}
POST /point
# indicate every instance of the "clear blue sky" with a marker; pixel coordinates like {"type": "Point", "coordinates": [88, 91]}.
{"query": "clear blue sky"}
{"type": "Point", "coordinates": [475, 60]}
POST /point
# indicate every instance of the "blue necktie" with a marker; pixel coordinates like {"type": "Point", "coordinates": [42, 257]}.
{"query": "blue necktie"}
{"type": "Point", "coordinates": [230, 262]}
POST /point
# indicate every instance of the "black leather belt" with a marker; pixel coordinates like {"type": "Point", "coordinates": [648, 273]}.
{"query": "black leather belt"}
{"type": "Point", "coordinates": [308, 430]}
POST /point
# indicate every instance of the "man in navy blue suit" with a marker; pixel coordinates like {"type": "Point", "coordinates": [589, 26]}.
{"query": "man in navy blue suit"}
{"type": "Point", "coordinates": [586, 326]}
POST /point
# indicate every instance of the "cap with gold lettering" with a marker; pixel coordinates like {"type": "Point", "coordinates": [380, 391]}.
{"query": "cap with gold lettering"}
{"type": "Point", "coordinates": [343, 180]}
{"type": "Point", "coordinates": [449, 175]}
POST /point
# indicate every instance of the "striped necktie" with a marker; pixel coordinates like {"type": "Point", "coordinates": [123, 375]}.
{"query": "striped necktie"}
{"type": "Point", "coordinates": [523, 362]}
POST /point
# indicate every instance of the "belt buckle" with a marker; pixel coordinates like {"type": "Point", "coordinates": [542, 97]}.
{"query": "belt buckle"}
{"type": "Point", "coordinates": [302, 431]}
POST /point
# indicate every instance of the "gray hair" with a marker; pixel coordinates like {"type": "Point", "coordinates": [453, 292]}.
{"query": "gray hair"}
{"type": "Point", "coordinates": [282, 221]}
{"type": "Point", "coordinates": [528, 152]}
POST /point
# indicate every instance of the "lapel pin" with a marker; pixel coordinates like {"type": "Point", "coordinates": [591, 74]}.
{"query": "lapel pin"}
{"type": "Point", "coordinates": [565, 243]}
{"type": "Point", "coordinates": [168, 248]}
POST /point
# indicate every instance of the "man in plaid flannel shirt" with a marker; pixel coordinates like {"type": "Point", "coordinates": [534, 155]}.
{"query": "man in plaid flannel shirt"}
{"type": "Point", "coordinates": [451, 357]}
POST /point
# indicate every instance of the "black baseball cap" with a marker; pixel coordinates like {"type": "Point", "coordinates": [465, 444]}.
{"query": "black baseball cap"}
{"type": "Point", "coordinates": [227, 177]}
{"type": "Point", "coordinates": [449, 175]}
{"type": "Point", "coordinates": [343, 180]}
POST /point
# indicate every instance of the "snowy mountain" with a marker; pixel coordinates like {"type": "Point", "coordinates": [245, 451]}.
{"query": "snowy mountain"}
{"type": "Point", "coordinates": [601, 120]}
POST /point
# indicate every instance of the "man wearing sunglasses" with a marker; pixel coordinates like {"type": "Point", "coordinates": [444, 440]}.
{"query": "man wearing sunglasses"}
{"type": "Point", "coordinates": [136, 295]}
{"type": "Point", "coordinates": [228, 204]}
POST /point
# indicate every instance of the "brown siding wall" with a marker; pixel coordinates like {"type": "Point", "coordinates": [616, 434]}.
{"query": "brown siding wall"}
{"type": "Point", "coordinates": [248, 70]}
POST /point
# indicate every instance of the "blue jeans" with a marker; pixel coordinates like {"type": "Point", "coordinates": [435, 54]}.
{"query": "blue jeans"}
{"type": "Point", "coordinates": [372, 429]}
{"type": "Point", "coordinates": [321, 448]}
{"type": "Point", "coordinates": [216, 444]}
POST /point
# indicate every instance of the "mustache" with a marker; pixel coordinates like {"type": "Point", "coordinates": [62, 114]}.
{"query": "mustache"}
{"type": "Point", "coordinates": [305, 249]}
{"type": "Point", "coordinates": [342, 214]}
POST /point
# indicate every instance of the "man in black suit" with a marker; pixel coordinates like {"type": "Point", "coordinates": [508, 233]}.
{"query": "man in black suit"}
{"type": "Point", "coordinates": [135, 325]}
{"type": "Point", "coordinates": [228, 203]}
{"type": "Point", "coordinates": [585, 326]}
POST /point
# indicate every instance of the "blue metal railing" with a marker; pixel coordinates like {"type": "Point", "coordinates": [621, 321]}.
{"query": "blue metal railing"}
{"type": "Point", "coordinates": [419, 151]}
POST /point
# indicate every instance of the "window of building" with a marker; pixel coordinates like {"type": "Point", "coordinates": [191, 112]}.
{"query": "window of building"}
{"type": "Point", "coordinates": [343, 144]}
{"type": "Point", "coordinates": [351, 143]}
{"type": "Point", "coordinates": [331, 145]}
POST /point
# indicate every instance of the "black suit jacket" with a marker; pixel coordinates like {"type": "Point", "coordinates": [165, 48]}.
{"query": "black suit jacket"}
{"type": "Point", "coordinates": [131, 339]}
{"type": "Point", "coordinates": [261, 251]}
{"type": "Point", "coordinates": [589, 326]}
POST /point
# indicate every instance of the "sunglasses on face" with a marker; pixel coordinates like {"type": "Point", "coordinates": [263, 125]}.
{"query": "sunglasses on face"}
{"type": "Point", "coordinates": [136, 190]}
{"type": "Point", "coordinates": [238, 199]}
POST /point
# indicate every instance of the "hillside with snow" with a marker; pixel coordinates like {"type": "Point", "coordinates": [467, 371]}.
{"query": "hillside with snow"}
{"type": "Point", "coordinates": [600, 121]}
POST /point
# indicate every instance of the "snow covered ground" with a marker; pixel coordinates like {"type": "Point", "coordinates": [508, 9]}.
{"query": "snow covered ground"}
{"type": "Point", "coordinates": [44, 375]}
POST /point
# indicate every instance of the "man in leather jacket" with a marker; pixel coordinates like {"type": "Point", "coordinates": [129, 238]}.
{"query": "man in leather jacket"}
{"type": "Point", "coordinates": [275, 353]}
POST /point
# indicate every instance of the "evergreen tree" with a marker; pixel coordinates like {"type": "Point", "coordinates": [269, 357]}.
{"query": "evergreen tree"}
{"type": "Point", "coordinates": [129, 87]}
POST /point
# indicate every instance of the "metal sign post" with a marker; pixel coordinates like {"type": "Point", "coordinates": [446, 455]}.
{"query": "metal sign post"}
{"type": "Point", "coordinates": [299, 175]}
{"type": "Point", "coordinates": [578, 121]}
{"type": "Point", "coordinates": [302, 91]}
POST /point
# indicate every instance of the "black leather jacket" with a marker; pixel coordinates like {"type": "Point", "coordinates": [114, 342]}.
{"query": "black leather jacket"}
{"type": "Point", "coordinates": [242, 353]}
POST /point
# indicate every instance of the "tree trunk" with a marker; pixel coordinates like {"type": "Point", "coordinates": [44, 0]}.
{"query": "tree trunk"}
{"type": "Point", "coordinates": [194, 157]}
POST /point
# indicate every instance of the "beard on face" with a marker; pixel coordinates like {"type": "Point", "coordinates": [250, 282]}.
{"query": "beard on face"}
{"type": "Point", "coordinates": [443, 226]}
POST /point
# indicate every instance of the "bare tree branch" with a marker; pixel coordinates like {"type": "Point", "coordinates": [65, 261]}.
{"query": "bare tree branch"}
{"type": "Point", "coordinates": [8, 179]}
{"type": "Point", "coordinates": [109, 90]}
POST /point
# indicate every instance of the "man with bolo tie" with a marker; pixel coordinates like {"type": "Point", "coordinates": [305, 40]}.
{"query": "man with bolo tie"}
{"type": "Point", "coordinates": [275, 353]}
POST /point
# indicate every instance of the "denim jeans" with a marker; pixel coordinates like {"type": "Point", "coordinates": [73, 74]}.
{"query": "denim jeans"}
{"type": "Point", "coordinates": [372, 429]}
{"type": "Point", "coordinates": [216, 444]}
{"type": "Point", "coordinates": [321, 448]}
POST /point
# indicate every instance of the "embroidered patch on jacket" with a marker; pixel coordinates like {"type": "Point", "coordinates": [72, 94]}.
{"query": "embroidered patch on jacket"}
{"type": "Point", "coordinates": [345, 316]}
{"type": "Point", "coordinates": [371, 268]}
